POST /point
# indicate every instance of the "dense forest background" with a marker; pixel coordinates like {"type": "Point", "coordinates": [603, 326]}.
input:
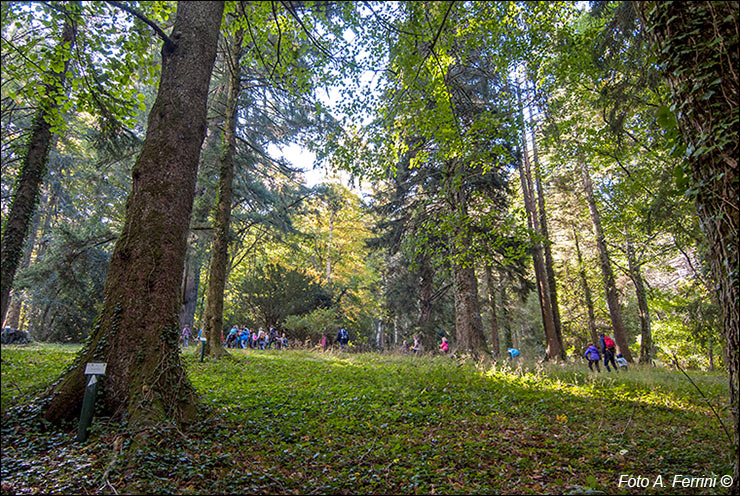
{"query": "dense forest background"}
{"type": "Point", "coordinates": [479, 144]}
{"type": "Point", "coordinates": [504, 174]}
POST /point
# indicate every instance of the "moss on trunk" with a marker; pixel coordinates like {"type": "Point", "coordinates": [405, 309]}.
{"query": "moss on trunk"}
{"type": "Point", "coordinates": [137, 329]}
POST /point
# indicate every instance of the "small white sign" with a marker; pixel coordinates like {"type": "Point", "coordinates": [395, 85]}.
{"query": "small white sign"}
{"type": "Point", "coordinates": [95, 368]}
{"type": "Point", "coordinates": [203, 339]}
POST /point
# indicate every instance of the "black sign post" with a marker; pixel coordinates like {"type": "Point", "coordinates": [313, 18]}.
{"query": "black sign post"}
{"type": "Point", "coordinates": [202, 348]}
{"type": "Point", "coordinates": [93, 369]}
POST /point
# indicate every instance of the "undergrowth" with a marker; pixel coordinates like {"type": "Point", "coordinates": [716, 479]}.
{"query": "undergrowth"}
{"type": "Point", "coordinates": [311, 422]}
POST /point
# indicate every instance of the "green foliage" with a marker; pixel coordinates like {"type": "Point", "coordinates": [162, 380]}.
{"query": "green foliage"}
{"type": "Point", "coordinates": [689, 327]}
{"type": "Point", "coordinates": [274, 292]}
{"type": "Point", "coordinates": [313, 325]}
{"type": "Point", "coordinates": [109, 63]}
{"type": "Point", "coordinates": [284, 421]}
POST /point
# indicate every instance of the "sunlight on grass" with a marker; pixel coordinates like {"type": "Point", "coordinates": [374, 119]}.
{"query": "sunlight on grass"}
{"type": "Point", "coordinates": [642, 384]}
{"type": "Point", "coordinates": [333, 422]}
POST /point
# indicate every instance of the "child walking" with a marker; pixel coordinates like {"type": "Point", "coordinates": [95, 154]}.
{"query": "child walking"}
{"type": "Point", "coordinates": [592, 353]}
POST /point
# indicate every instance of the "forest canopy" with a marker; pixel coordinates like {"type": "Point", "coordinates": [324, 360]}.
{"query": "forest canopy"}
{"type": "Point", "coordinates": [522, 175]}
{"type": "Point", "coordinates": [433, 110]}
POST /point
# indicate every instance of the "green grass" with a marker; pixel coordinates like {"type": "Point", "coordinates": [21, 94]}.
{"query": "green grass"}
{"type": "Point", "coordinates": [311, 422]}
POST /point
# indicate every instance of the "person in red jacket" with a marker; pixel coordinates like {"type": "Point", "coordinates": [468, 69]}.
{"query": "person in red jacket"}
{"type": "Point", "coordinates": [445, 346]}
{"type": "Point", "coordinates": [608, 348]}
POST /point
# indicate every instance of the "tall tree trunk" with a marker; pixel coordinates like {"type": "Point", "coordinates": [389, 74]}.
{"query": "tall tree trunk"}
{"type": "Point", "coordinates": [33, 167]}
{"type": "Point", "coordinates": [426, 282]}
{"type": "Point", "coordinates": [213, 321]}
{"type": "Point", "coordinates": [328, 248]}
{"type": "Point", "coordinates": [646, 344]}
{"type": "Point", "coordinates": [137, 331]}
{"type": "Point", "coordinates": [505, 325]}
{"type": "Point", "coordinates": [544, 231]}
{"type": "Point", "coordinates": [468, 325]}
{"type": "Point", "coordinates": [554, 347]}
{"type": "Point", "coordinates": [696, 43]}
{"type": "Point", "coordinates": [203, 237]}
{"type": "Point", "coordinates": [189, 289]}
{"type": "Point", "coordinates": [495, 348]}
{"type": "Point", "coordinates": [13, 316]}
{"type": "Point", "coordinates": [612, 298]}
{"type": "Point", "coordinates": [586, 293]}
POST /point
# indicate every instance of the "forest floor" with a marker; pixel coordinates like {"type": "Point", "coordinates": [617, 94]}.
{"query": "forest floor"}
{"type": "Point", "coordinates": [306, 422]}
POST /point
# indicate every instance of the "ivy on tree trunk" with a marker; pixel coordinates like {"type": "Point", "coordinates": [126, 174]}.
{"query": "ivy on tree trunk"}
{"type": "Point", "coordinates": [137, 329]}
{"type": "Point", "coordinates": [33, 168]}
{"type": "Point", "coordinates": [696, 44]}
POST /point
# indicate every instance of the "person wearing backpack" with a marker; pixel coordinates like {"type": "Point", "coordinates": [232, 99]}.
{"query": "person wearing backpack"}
{"type": "Point", "coordinates": [608, 349]}
{"type": "Point", "coordinates": [272, 338]}
{"type": "Point", "coordinates": [244, 338]}
{"type": "Point", "coordinates": [342, 337]}
{"type": "Point", "coordinates": [231, 338]}
{"type": "Point", "coordinates": [592, 354]}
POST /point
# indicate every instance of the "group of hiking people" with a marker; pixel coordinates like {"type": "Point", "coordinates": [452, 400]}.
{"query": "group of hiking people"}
{"type": "Point", "coordinates": [608, 350]}
{"type": "Point", "coordinates": [242, 337]}
{"type": "Point", "coordinates": [256, 339]}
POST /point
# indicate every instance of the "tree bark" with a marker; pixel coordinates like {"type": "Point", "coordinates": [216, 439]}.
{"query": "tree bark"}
{"type": "Point", "coordinates": [586, 293]}
{"type": "Point", "coordinates": [646, 342]}
{"type": "Point", "coordinates": [697, 47]}
{"type": "Point", "coordinates": [468, 325]}
{"type": "Point", "coordinates": [33, 168]}
{"type": "Point", "coordinates": [544, 232]}
{"type": "Point", "coordinates": [612, 298]}
{"type": "Point", "coordinates": [137, 330]}
{"type": "Point", "coordinates": [554, 348]}
{"type": "Point", "coordinates": [189, 290]}
{"type": "Point", "coordinates": [213, 324]}
{"type": "Point", "coordinates": [328, 247]}
{"type": "Point", "coordinates": [426, 282]}
{"type": "Point", "coordinates": [505, 326]}
{"type": "Point", "coordinates": [495, 348]}
{"type": "Point", "coordinates": [12, 318]}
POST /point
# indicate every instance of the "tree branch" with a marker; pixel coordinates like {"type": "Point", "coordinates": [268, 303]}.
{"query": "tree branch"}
{"type": "Point", "coordinates": [168, 43]}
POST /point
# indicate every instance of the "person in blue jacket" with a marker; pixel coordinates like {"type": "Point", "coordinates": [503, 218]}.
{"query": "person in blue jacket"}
{"type": "Point", "coordinates": [513, 353]}
{"type": "Point", "coordinates": [244, 338]}
{"type": "Point", "coordinates": [342, 337]}
{"type": "Point", "coordinates": [592, 353]}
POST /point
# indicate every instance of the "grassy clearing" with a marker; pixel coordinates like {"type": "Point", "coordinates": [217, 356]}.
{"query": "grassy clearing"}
{"type": "Point", "coordinates": [311, 422]}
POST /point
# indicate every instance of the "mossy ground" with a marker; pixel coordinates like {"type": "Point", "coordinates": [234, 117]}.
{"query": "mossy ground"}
{"type": "Point", "coordinates": [310, 422]}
